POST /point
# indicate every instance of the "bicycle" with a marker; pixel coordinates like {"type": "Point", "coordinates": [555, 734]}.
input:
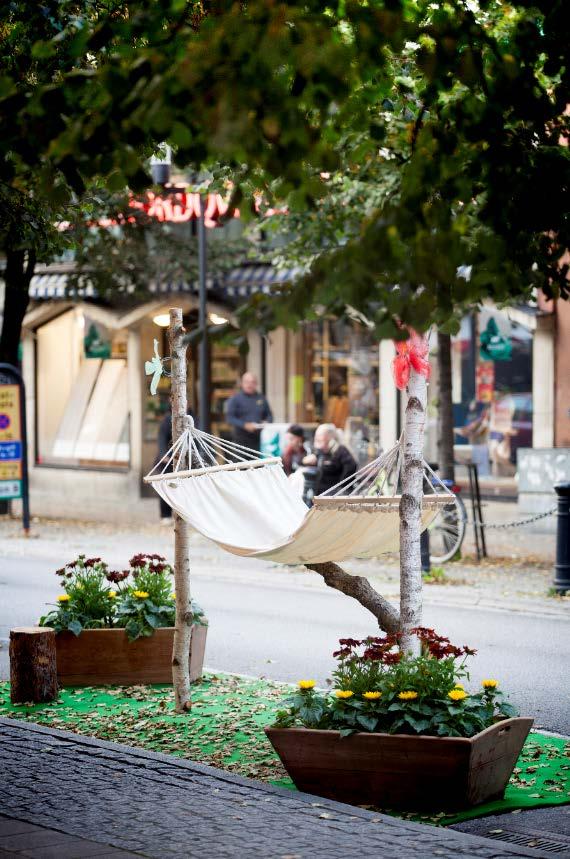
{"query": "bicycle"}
{"type": "Point", "coordinates": [447, 531]}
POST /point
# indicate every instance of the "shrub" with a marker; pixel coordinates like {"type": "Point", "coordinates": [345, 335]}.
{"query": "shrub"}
{"type": "Point", "coordinates": [378, 689]}
{"type": "Point", "coordinates": [139, 599]}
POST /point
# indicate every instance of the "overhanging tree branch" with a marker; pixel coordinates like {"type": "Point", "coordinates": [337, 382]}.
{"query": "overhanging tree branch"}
{"type": "Point", "coordinates": [362, 591]}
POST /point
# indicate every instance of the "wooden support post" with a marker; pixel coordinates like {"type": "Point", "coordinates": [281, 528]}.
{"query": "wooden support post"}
{"type": "Point", "coordinates": [33, 667]}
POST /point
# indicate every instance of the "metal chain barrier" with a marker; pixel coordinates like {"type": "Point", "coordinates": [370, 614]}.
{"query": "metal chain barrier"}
{"type": "Point", "coordinates": [516, 523]}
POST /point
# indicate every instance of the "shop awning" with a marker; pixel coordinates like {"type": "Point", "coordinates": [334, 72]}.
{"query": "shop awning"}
{"type": "Point", "coordinates": [54, 285]}
{"type": "Point", "coordinates": [240, 282]}
{"type": "Point", "coordinates": [249, 279]}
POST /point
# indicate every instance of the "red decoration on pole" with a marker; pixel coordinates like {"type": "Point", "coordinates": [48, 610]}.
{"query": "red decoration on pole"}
{"type": "Point", "coordinates": [410, 353]}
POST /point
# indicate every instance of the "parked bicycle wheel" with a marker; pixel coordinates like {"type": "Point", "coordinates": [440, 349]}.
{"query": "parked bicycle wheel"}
{"type": "Point", "coordinates": [447, 531]}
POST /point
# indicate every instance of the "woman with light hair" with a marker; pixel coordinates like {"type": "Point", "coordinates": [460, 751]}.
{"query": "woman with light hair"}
{"type": "Point", "coordinates": [333, 459]}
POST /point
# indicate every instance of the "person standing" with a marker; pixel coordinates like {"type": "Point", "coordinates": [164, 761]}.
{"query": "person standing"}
{"type": "Point", "coordinates": [247, 411]}
{"type": "Point", "coordinates": [334, 461]}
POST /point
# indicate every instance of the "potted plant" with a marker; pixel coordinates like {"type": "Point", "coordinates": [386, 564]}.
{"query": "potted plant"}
{"type": "Point", "coordinates": [400, 731]}
{"type": "Point", "coordinates": [118, 627]}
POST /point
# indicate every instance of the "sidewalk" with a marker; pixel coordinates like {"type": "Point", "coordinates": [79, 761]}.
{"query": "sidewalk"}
{"type": "Point", "coordinates": [157, 806]}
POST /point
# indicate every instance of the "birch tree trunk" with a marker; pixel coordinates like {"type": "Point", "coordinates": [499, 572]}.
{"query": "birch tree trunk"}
{"type": "Point", "coordinates": [180, 421]}
{"type": "Point", "coordinates": [410, 513]}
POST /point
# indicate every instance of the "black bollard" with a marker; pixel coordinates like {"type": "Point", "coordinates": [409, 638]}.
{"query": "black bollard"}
{"type": "Point", "coordinates": [562, 566]}
{"type": "Point", "coordinates": [424, 549]}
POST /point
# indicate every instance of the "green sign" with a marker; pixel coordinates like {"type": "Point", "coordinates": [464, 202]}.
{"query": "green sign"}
{"type": "Point", "coordinates": [494, 346]}
{"type": "Point", "coordinates": [96, 343]}
{"type": "Point", "coordinates": [10, 489]}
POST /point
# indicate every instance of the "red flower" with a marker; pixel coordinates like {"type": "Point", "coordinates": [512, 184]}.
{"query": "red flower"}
{"type": "Point", "coordinates": [116, 577]}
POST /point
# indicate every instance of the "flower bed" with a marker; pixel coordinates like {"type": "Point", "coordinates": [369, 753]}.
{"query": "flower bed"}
{"type": "Point", "coordinates": [118, 627]}
{"type": "Point", "coordinates": [138, 600]}
{"type": "Point", "coordinates": [400, 730]}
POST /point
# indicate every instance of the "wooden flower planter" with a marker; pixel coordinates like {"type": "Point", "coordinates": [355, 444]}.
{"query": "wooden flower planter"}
{"type": "Point", "coordinates": [99, 657]}
{"type": "Point", "coordinates": [400, 771]}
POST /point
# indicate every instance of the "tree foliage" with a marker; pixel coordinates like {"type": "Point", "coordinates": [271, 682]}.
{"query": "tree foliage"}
{"type": "Point", "coordinates": [455, 110]}
{"type": "Point", "coordinates": [123, 252]}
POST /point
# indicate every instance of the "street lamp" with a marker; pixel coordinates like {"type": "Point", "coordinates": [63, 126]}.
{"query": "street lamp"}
{"type": "Point", "coordinates": [160, 167]}
{"type": "Point", "coordinates": [204, 392]}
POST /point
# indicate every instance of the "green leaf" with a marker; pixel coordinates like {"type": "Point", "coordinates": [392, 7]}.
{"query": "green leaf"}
{"type": "Point", "coordinates": [75, 627]}
{"type": "Point", "coordinates": [368, 722]}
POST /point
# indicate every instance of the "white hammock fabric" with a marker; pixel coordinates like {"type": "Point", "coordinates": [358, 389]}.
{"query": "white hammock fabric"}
{"type": "Point", "coordinates": [247, 505]}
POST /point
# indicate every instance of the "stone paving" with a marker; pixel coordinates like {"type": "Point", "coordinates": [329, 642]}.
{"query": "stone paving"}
{"type": "Point", "coordinates": [156, 806]}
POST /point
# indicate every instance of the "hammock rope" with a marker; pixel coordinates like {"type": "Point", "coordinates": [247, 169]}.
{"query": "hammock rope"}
{"type": "Point", "coordinates": [242, 500]}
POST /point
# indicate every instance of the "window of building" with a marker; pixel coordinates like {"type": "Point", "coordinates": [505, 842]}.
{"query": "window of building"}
{"type": "Point", "coordinates": [492, 390]}
{"type": "Point", "coordinates": [82, 394]}
{"type": "Point", "coordinates": [343, 361]}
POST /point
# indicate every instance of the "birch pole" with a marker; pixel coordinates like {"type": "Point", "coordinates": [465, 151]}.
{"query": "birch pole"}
{"type": "Point", "coordinates": [180, 422]}
{"type": "Point", "coordinates": [411, 513]}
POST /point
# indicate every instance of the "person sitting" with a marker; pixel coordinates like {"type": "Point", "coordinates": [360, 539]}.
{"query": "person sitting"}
{"type": "Point", "coordinates": [334, 461]}
{"type": "Point", "coordinates": [294, 452]}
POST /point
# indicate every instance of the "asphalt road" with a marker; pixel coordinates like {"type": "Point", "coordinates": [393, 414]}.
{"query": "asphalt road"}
{"type": "Point", "coordinates": [285, 628]}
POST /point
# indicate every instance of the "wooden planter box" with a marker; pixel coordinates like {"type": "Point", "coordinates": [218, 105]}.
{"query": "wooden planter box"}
{"type": "Point", "coordinates": [99, 657]}
{"type": "Point", "coordinates": [399, 771]}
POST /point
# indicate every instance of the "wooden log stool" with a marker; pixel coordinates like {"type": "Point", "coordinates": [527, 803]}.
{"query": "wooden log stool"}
{"type": "Point", "coordinates": [33, 667]}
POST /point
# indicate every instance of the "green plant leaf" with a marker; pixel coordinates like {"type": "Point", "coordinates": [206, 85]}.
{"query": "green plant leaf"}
{"type": "Point", "coordinates": [75, 627]}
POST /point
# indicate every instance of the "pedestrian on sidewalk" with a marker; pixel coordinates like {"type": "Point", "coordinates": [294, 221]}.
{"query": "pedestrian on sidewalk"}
{"type": "Point", "coordinates": [334, 461]}
{"type": "Point", "coordinates": [247, 411]}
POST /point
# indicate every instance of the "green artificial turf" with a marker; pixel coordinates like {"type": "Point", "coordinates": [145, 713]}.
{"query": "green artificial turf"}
{"type": "Point", "coordinates": [225, 729]}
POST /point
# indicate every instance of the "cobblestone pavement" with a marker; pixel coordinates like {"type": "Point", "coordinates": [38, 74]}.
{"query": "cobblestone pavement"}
{"type": "Point", "coordinates": [18, 838]}
{"type": "Point", "coordinates": [163, 807]}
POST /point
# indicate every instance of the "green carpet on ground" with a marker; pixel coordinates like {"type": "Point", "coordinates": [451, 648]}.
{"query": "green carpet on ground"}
{"type": "Point", "coordinates": [225, 729]}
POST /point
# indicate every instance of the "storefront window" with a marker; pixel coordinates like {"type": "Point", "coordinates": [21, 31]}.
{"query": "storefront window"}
{"type": "Point", "coordinates": [343, 362]}
{"type": "Point", "coordinates": [82, 395]}
{"type": "Point", "coordinates": [492, 390]}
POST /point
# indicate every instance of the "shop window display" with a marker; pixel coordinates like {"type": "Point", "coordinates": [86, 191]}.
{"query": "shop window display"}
{"type": "Point", "coordinates": [82, 394]}
{"type": "Point", "coordinates": [343, 366]}
{"type": "Point", "coordinates": [492, 391]}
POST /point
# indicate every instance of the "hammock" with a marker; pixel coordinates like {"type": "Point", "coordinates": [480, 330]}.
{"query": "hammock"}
{"type": "Point", "coordinates": [244, 502]}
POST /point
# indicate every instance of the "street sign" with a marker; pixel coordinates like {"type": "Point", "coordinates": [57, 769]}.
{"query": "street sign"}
{"type": "Point", "coordinates": [10, 443]}
{"type": "Point", "coordinates": [10, 489]}
{"type": "Point", "coordinates": [10, 413]}
{"type": "Point", "coordinates": [13, 447]}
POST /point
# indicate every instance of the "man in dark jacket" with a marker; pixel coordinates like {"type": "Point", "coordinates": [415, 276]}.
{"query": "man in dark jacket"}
{"type": "Point", "coordinates": [247, 411]}
{"type": "Point", "coordinates": [334, 460]}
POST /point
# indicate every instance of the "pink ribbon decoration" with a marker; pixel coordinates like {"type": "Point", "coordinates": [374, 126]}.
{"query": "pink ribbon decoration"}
{"type": "Point", "coordinates": [410, 353]}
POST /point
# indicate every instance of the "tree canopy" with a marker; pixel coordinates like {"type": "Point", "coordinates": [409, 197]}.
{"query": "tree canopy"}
{"type": "Point", "coordinates": [455, 112]}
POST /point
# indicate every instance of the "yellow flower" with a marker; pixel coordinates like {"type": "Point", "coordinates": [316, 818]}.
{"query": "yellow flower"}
{"type": "Point", "coordinates": [490, 683]}
{"type": "Point", "coordinates": [408, 695]}
{"type": "Point", "coordinates": [306, 684]}
{"type": "Point", "coordinates": [63, 598]}
{"type": "Point", "coordinates": [457, 694]}
{"type": "Point", "coordinates": [343, 693]}
{"type": "Point", "coordinates": [372, 696]}
{"type": "Point", "coordinates": [112, 594]}
{"type": "Point", "coordinates": [172, 596]}
{"type": "Point", "coordinates": [141, 595]}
